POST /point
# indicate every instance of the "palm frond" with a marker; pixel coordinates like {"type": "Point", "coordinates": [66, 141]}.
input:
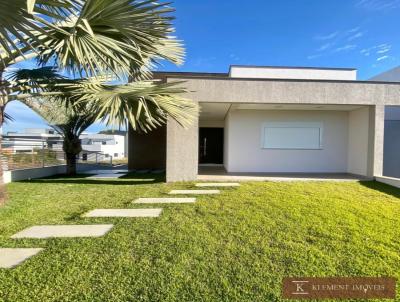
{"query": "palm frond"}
{"type": "Point", "coordinates": [120, 36]}
{"type": "Point", "coordinates": [33, 80]}
{"type": "Point", "coordinates": [143, 105]}
{"type": "Point", "coordinates": [21, 24]}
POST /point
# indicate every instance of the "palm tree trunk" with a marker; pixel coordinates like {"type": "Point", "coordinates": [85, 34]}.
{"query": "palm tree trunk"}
{"type": "Point", "coordinates": [71, 163]}
{"type": "Point", "coordinates": [3, 101]}
{"type": "Point", "coordinates": [72, 147]}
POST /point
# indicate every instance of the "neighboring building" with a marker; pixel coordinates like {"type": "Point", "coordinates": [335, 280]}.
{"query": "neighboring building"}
{"type": "Point", "coordinates": [30, 139]}
{"type": "Point", "coordinates": [110, 145]}
{"type": "Point", "coordinates": [273, 120]}
{"type": "Point", "coordinates": [391, 163]}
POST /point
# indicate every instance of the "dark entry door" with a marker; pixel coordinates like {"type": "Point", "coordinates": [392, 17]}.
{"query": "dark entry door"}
{"type": "Point", "coordinates": [211, 145]}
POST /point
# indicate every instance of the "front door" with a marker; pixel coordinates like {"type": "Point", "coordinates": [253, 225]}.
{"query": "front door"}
{"type": "Point", "coordinates": [211, 145]}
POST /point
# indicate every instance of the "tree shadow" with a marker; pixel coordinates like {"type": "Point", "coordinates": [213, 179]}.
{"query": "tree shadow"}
{"type": "Point", "coordinates": [82, 179]}
{"type": "Point", "coordinates": [381, 187]}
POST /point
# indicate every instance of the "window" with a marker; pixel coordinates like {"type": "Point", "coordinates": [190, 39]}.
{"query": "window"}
{"type": "Point", "coordinates": [292, 135]}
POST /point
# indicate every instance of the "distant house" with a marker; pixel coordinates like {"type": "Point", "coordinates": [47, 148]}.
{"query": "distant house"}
{"type": "Point", "coordinates": [258, 119]}
{"type": "Point", "coordinates": [31, 139]}
{"type": "Point", "coordinates": [110, 145]}
{"type": "Point", "coordinates": [26, 142]}
{"type": "Point", "coordinates": [391, 163]}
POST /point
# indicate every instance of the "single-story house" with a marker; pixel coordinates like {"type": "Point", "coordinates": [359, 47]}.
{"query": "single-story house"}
{"type": "Point", "coordinates": [391, 150]}
{"type": "Point", "coordinates": [272, 120]}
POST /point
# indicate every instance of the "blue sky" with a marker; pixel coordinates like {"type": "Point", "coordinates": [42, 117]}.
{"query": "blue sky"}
{"type": "Point", "coordinates": [363, 34]}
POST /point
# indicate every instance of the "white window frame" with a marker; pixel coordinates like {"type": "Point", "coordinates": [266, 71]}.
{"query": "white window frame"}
{"type": "Point", "coordinates": [267, 125]}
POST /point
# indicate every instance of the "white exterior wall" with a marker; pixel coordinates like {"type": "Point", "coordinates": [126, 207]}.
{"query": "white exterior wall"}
{"type": "Point", "coordinates": [358, 141]}
{"type": "Point", "coordinates": [23, 174]}
{"type": "Point", "coordinates": [293, 73]}
{"type": "Point", "coordinates": [115, 145]}
{"type": "Point", "coordinates": [243, 151]}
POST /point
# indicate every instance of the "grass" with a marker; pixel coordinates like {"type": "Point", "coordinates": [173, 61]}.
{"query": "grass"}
{"type": "Point", "coordinates": [236, 246]}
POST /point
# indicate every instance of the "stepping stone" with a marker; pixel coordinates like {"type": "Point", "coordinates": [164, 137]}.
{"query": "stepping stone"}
{"type": "Point", "coordinates": [10, 257]}
{"type": "Point", "coordinates": [65, 231]}
{"type": "Point", "coordinates": [106, 176]}
{"type": "Point", "coordinates": [193, 192]}
{"type": "Point", "coordinates": [124, 213]}
{"type": "Point", "coordinates": [165, 200]}
{"type": "Point", "coordinates": [218, 184]}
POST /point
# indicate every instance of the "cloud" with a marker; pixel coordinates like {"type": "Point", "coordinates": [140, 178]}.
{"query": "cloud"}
{"type": "Point", "coordinates": [353, 30]}
{"type": "Point", "coordinates": [378, 5]}
{"type": "Point", "coordinates": [325, 46]}
{"type": "Point", "coordinates": [346, 48]}
{"type": "Point", "coordinates": [382, 58]}
{"type": "Point", "coordinates": [355, 36]}
{"type": "Point", "coordinates": [328, 36]}
{"type": "Point", "coordinates": [384, 48]}
{"type": "Point", "coordinates": [378, 49]}
{"type": "Point", "coordinates": [336, 39]}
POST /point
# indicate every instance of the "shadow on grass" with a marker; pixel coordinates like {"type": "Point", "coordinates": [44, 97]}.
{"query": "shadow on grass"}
{"type": "Point", "coordinates": [381, 187]}
{"type": "Point", "coordinates": [129, 179]}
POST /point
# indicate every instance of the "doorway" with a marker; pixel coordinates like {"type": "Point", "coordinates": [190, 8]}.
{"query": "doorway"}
{"type": "Point", "coordinates": [211, 146]}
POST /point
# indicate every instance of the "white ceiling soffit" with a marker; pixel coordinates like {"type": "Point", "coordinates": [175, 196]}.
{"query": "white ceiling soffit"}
{"type": "Point", "coordinates": [295, 107]}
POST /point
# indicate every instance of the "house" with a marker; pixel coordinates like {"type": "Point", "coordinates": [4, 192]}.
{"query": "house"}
{"type": "Point", "coordinates": [111, 145]}
{"type": "Point", "coordinates": [272, 120]}
{"type": "Point", "coordinates": [108, 144]}
{"type": "Point", "coordinates": [29, 140]}
{"type": "Point", "coordinates": [391, 153]}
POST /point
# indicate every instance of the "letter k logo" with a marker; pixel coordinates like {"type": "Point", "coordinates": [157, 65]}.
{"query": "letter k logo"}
{"type": "Point", "coordinates": [299, 287]}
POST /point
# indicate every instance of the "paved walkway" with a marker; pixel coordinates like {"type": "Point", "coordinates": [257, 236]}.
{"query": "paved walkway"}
{"type": "Point", "coordinates": [53, 231]}
{"type": "Point", "coordinates": [11, 257]}
{"type": "Point", "coordinates": [165, 200]}
{"type": "Point", "coordinates": [193, 192]}
{"type": "Point", "coordinates": [124, 213]}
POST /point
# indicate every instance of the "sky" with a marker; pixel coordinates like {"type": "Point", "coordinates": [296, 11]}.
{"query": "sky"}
{"type": "Point", "coordinates": [362, 34]}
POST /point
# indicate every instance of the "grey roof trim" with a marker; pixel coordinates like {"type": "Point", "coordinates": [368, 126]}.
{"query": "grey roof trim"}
{"type": "Point", "coordinates": [277, 80]}
{"type": "Point", "coordinates": [196, 74]}
{"type": "Point", "coordinates": [293, 67]}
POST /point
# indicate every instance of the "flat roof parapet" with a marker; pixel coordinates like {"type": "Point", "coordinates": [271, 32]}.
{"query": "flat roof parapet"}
{"type": "Point", "coordinates": [295, 73]}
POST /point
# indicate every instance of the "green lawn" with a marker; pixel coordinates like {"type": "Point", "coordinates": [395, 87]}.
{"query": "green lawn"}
{"type": "Point", "coordinates": [233, 247]}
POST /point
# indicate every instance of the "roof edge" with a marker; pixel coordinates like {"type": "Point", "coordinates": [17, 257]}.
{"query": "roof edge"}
{"type": "Point", "coordinates": [276, 79]}
{"type": "Point", "coordinates": [293, 67]}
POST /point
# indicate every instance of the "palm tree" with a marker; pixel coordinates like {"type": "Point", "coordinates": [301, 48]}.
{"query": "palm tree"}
{"type": "Point", "coordinates": [143, 105]}
{"type": "Point", "coordinates": [93, 41]}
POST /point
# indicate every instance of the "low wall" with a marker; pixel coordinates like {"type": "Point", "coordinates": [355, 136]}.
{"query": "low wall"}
{"type": "Point", "coordinates": [24, 174]}
{"type": "Point", "coordinates": [395, 182]}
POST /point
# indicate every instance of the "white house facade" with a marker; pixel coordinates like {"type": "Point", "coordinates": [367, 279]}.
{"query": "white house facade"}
{"type": "Point", "coordinates": [391, 163]}
{"type": "Point", "coordinates": [273, 120]}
